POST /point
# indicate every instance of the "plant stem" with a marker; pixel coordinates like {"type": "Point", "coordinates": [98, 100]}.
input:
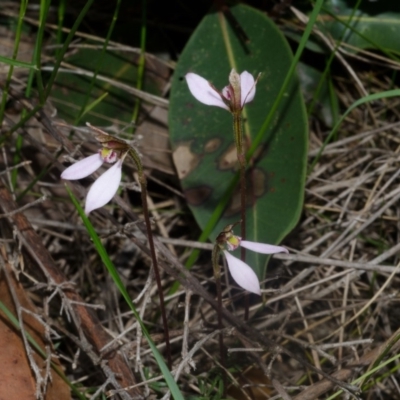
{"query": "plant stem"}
{"type": "Point", "coordinates": [143, 186]}
{"type": "Point", "coordinates": [217, 276]}
{"type": "Point", "coordinates": [241, 156]}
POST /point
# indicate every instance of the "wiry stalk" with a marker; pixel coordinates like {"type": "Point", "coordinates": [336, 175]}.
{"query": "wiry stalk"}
{"type": "Point", "coordinates": [241, 156]}
{"type": "Point", "coordinates": [238, 132]}
{"type": "Point", "coordinates": [143, 186]}
{"type": "Point", "coordinates": [217, 276]}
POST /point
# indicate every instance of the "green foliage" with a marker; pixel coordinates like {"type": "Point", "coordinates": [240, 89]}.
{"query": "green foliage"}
{"type": "Point", "coordinates": [80, 93]}
{"type": "Point", "coordinates": [373, 25]}
{"type": "Point", "coordinates": [316, 89]}
{"type": "Point", "coordinates": [202, 137]}
{"type": "Point", "coordinates": [211, 388]}
{"type": "Point", "coordinates": [373, 97]}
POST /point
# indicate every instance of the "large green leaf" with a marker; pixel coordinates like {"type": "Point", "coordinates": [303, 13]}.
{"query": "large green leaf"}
{"type": "Point", "coordinates": [202, 137]}
{"type": "Point", "coordinates": [374, 24]}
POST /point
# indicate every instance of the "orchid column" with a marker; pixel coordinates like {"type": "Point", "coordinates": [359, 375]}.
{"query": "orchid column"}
{"type": "Point", "coordinates": [241, 90]}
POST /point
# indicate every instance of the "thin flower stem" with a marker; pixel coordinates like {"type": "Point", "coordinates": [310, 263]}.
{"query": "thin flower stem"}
{"type": "Point", "coordinates": [217, 276]}
{"type": "Point", "coordinates": [241, 156]}
{"type": "Point", "coordinates": [143, 186]}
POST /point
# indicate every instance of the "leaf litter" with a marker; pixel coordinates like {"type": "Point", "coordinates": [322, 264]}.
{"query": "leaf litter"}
{"type": "Point", "coordinates": [319, 304]}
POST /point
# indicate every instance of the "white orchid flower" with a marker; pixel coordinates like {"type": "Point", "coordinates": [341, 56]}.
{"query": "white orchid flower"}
{"type": "Point", "coordinates": [241, 90]}
{"type": "Point", "coordinates": [105, 187]}
{"type": "Point", "coordinates": [242, 273]}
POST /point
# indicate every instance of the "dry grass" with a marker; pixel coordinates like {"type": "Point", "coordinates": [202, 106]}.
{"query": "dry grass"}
{"type": "Point", "coordinates": [333, 302]}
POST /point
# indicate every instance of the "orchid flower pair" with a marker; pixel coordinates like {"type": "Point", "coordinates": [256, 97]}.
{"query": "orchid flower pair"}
{"type": "Point", "coordinates": [104, 188]}
{"type": "Point", "coordinates": [241, 90]}
{"type": "Point", "coordinates": [242, 273]}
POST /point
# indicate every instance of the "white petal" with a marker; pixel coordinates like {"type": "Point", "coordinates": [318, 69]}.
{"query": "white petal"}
{"type": "Point", "coordinates": [263, 248]}
{"type": "Point", "coordinates": [203, 92]}
{"type": "Point", "coordinates": [104, 188]}
{"type": "Point", "coordinates": [242, 274]}
{"type": "Point", "coordinates": [247, 87]}
{"type": "Point", "coordinates": [83, 168]}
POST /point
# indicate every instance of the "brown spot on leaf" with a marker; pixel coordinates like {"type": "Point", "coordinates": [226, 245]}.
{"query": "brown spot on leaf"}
{"type": "Point", "coordinates": [212, 145]}
{"type": "Point", "coordinates": [198, 195]}
{"type": "Point", "coordinates": [228, 159]}
{"type": "Point", "coordinates": [185, 160]}
{"type": "Point", "coordinates": [256, 181]}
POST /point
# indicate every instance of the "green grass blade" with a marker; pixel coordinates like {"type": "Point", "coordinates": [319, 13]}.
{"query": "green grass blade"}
{"type": "Point", "coordinates": [372, 97]}
{"type": "Point", "coordinates": [176, 393]}
{"type": "Point", "coordinates": [350, 27]}
{"type": "Point", "coordinates": [99, 63]}
{"type": "Point", "coordinates": [16, 63]}
{"type": "Point", "coordinates": [61, 16]}
{"type": "Point", "coordinates": [142, 60]}
{"type": "Point", "coordinates": [16, 157]}
{"type": "Point", "coordinates": [330, 60]}
{"type": "Point", "coordinates": [12, 61]}
{"type": "Point", "coordinates": [37, 55]}
{"type": "Point", "coordinates": [296, 58]}
{"type": "Point", "coordinates": [367, 374]}
{"type": "Point", "coordinates": [64, 48]}
{"type": "Point", "coordinates": [60, 55]}
{"type": "Point", "coordinates": [93, 104]}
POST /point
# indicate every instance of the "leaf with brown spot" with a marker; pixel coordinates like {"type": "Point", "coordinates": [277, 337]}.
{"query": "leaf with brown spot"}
{"type": "Point", "coordinates": [276, 173]}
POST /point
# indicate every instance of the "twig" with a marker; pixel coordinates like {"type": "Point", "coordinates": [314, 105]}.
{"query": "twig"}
{"type": "Point", "coordinates": [339, 263]}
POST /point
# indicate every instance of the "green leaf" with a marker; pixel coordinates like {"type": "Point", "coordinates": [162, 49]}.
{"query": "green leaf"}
{"type": "Point", "coordinates": [374, 25]}
{"type": "Point", "coordinates": [202, 137]}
